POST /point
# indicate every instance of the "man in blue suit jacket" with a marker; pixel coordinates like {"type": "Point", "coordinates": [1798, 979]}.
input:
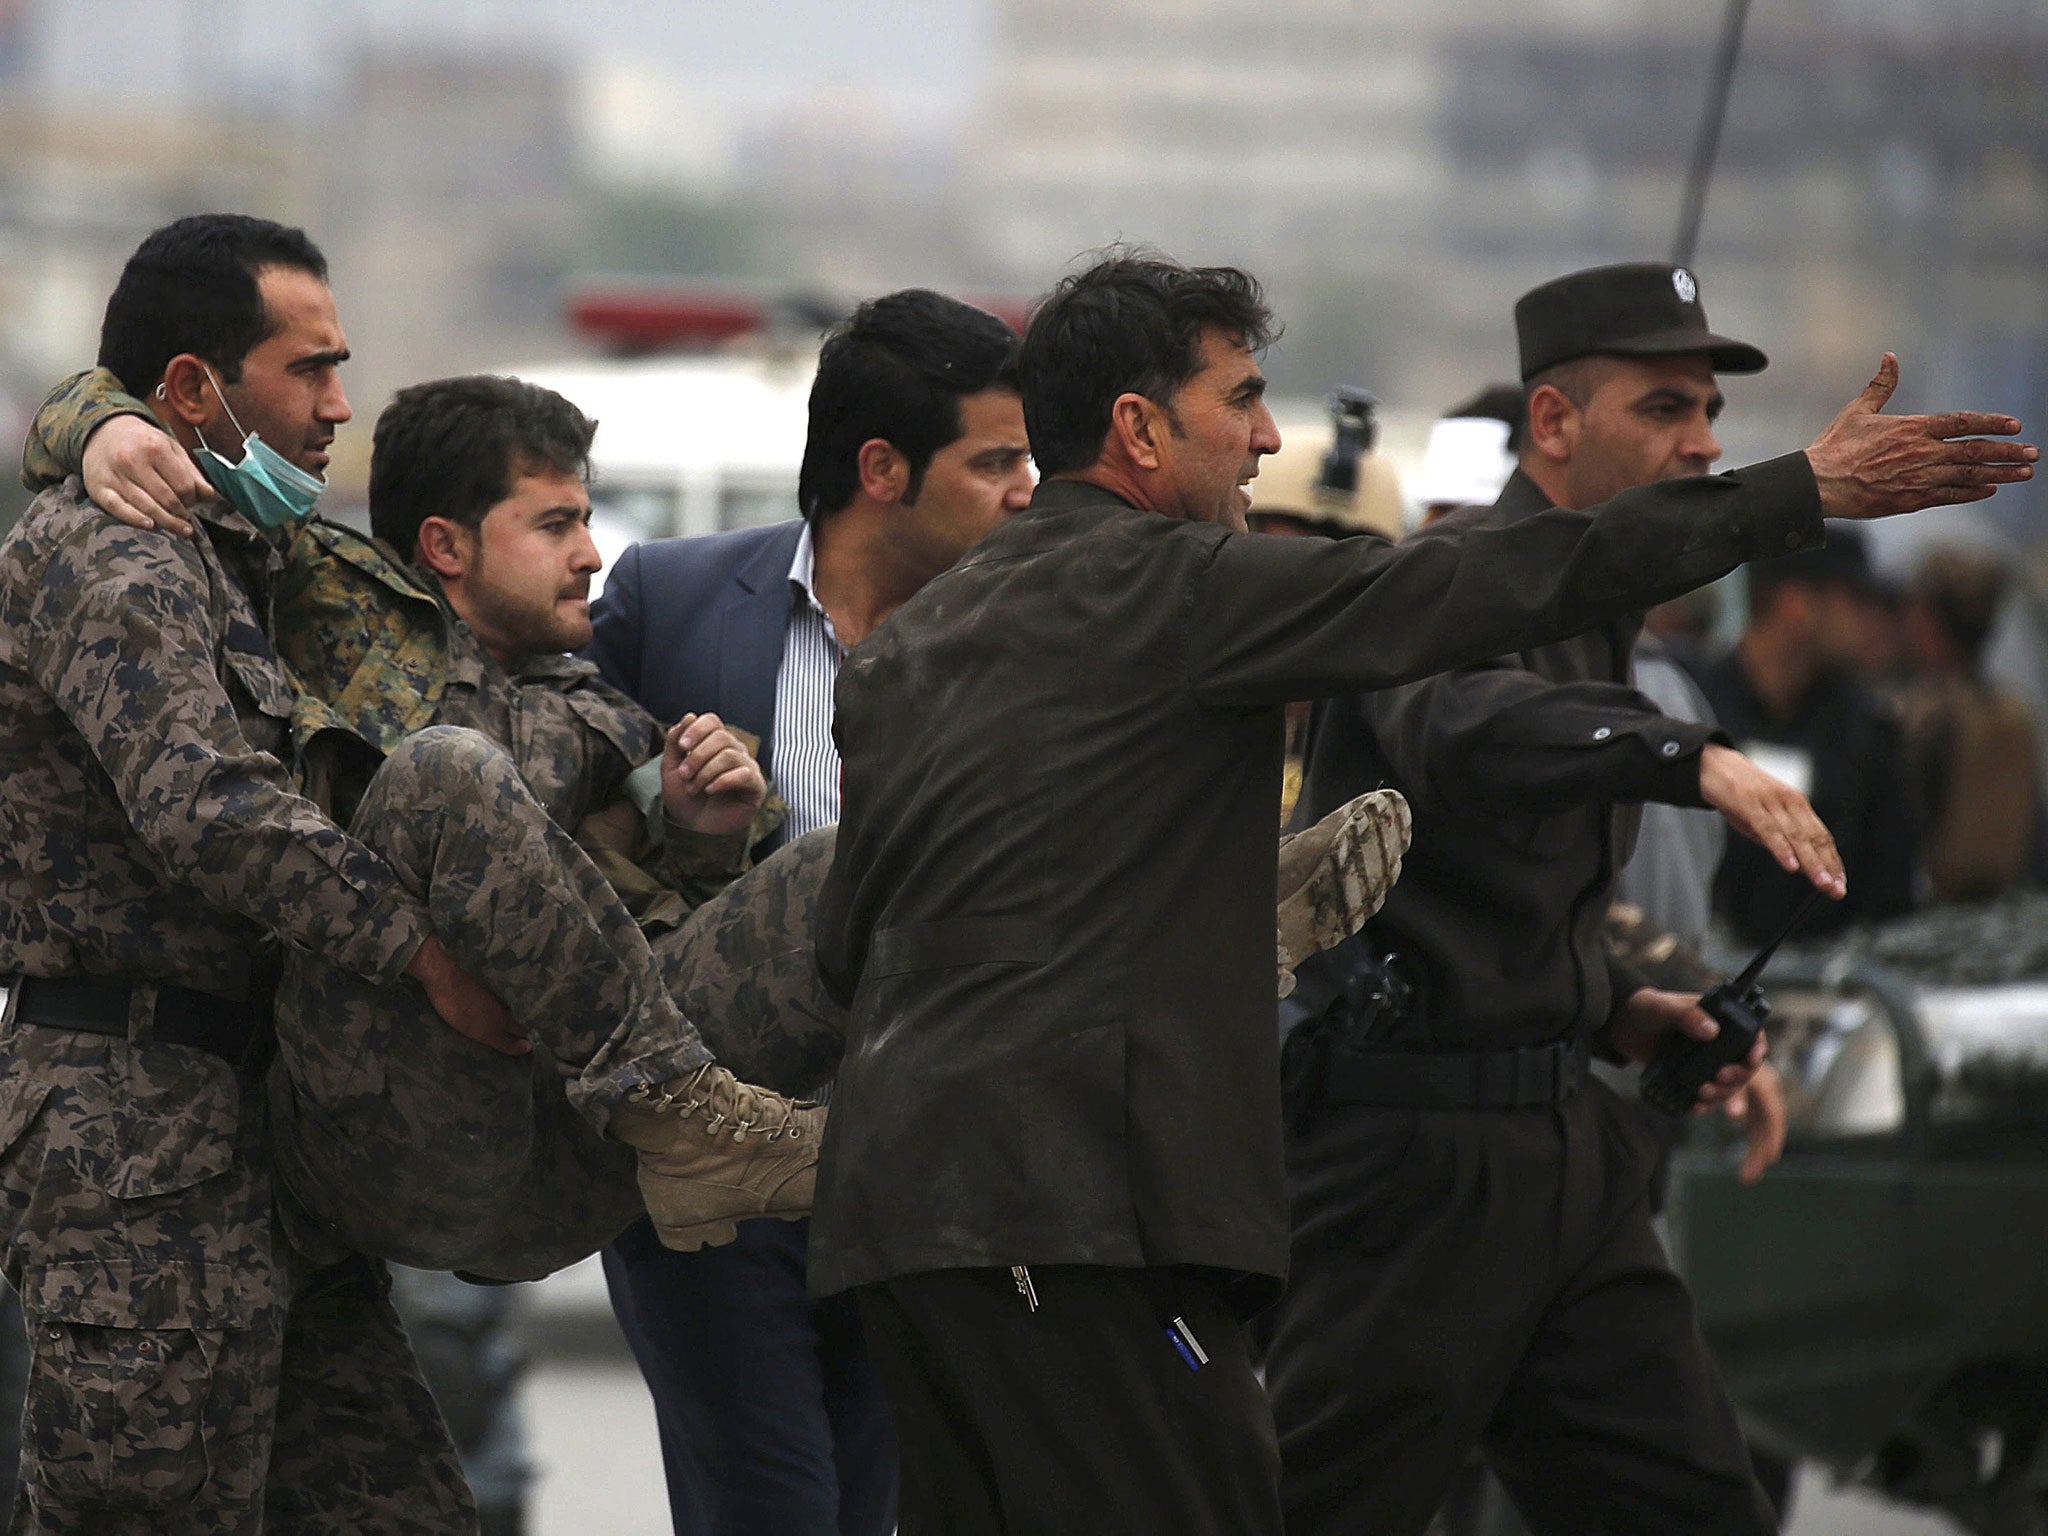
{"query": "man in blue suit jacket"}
{"type": "Point", "coordinates": [714, 640]}
{"type": "Point", "coordinates": [772, 1422]}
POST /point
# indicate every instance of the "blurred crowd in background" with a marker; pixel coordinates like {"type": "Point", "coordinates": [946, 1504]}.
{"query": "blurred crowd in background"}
{"type": "Point", "coordinates": [1874, 693]}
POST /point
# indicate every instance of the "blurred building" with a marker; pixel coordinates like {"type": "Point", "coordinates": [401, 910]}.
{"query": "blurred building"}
{"type": "Point", "coordinates": [442, 179]}
{"type": "Point", "coordinates": [853, 198]}
{"type": "Point", "coordinates": [1399, 170]}
{"type": "Point", "coordinates": [453, 210]}
{"type": "Point", "coordinates": [80, 185]}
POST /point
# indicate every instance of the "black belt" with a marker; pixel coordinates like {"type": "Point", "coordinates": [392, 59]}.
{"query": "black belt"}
{"type": "Point", "coordinates": [99, 1005]}
{"type": "Point", "coordinates": [1515, 1079]}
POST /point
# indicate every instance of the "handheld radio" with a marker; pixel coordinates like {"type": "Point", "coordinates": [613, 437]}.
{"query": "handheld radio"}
{"type": "Point", "coordinates": [1683, 1065]}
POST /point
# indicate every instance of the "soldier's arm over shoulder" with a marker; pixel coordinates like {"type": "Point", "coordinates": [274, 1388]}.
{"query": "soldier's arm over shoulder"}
{"type": "Point", "coordinates": [67, 418]}
{"type": "Point", "coordinates": [124, 641]}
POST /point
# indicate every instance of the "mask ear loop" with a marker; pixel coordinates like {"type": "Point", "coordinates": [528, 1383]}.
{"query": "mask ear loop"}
{"type": "Point", "coordinates": [220, 395]}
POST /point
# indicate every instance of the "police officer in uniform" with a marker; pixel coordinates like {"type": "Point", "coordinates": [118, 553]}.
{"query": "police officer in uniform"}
{"type": "Point", "coordinates": [1472, 1255]}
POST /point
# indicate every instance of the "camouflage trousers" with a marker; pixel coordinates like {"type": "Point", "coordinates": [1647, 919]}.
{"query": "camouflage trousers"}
{"type": "Point", "coordinates": [189, 1372]}
{"type": "Point", "coordinates": [741, 968]}
{"type": "Point", "coordinates": [403, 1139]}
{"type": "Point", "coordinates": [397, 1136]}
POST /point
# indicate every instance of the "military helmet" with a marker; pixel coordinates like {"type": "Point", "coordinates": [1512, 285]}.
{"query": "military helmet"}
{"type": "Point", "coordinates": [1307, 478]}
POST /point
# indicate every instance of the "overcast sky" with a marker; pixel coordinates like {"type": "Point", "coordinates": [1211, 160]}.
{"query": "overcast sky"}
{"type": "Point", "coordinates": [934, 51]}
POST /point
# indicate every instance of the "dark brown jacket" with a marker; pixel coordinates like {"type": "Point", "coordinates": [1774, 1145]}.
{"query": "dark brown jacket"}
{"type": "Point", "coordinates": [1525, 776]}
{"type": "Point", "coordinates": [1052, 903]}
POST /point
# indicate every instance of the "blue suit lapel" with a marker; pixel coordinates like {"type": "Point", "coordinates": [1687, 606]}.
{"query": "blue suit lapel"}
{"type": "Point", "coordinates": [752, 631]}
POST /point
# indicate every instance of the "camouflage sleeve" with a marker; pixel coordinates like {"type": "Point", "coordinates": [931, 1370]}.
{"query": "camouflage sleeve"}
{"type": "Point", "coordinates": [124, 644]}
{"type": "Point", "coordinates": [69, 415]}
{"type": "Point", "coordinates": [663, 871]}
{"type": "Point", "coordinates": [699, 865]}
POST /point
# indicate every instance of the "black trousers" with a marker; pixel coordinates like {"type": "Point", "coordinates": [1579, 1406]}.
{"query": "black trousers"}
{"type": "Point", "coordinates": [1491, 1278]}
{"type": "Point", "coordinates": [1084, 1416]}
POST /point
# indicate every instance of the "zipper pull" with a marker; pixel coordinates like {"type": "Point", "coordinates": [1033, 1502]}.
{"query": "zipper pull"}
{"type": "Point", "coordinates": [1022, 1275]}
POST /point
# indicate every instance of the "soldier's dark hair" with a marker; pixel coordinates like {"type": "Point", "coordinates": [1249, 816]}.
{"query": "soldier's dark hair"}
{"type": "Point", "coordinates": [896, 369]}
{"type": "Point", "coordinates": [191, 287]}
{"type": "Point", "coordinates": [451, 448]}
{"type": "Point", "coordinates": [1130, 323]}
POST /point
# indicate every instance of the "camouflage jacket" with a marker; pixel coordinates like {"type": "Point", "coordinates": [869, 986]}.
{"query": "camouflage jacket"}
{"type": "Point", "coordinates": [378, 653]}
{"type": "Point", "coordinates": [66, 418]}
{"type": "Point", "coordinates": [144, 732]}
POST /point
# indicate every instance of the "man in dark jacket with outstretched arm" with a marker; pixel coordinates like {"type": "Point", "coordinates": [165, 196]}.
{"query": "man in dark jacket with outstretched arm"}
{"type": "Point", "coordinates": [1054, 1169]}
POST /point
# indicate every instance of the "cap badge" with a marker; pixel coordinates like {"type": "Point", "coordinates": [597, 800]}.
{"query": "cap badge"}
{"type": "Point", "coordinates": [1682, 282]}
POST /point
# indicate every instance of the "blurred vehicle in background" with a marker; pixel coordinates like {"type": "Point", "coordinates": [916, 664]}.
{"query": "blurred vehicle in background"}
{"type": "Point", "coordinates": [700, 401]}
{"type": "Point", "coordinates": [1879, 1302]}
{"type": "Point", "coordinates": [689, 445]}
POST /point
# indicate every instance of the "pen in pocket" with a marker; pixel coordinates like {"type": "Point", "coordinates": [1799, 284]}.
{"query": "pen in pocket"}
{"type": "Point", "coordinates": [1186, 1344]}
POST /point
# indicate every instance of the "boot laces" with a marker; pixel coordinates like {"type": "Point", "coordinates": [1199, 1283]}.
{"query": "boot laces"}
{"type": "Point", "coordinates": [750, 1107]}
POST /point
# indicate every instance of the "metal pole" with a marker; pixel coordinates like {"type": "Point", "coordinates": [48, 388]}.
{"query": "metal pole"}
{"type": "Point", "coordinates": [1708, 145]}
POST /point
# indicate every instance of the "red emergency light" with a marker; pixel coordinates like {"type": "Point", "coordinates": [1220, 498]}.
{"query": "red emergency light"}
{"type": "Point", "coordinates": [664, 319]}
{"type": "Point", "coordinates": [632, 320]}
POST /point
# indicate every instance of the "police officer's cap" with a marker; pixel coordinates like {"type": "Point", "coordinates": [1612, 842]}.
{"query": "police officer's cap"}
{"type": "Point", "coordinates": [1638, 309]}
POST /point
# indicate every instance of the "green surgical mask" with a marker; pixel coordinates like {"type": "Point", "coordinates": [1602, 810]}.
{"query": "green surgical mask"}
{"type": "Point", "coordinates": [266, 487]}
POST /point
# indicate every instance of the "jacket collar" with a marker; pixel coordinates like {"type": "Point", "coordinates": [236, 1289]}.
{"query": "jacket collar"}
{"type": "Point", "coordinates": [555, 667]}
{"type": "Point", "coordinates": [767, 569]}
{"type": "Point", "coordinates": [1520, 498]}
{"type": "Point", "coordinates": [1071, 495]}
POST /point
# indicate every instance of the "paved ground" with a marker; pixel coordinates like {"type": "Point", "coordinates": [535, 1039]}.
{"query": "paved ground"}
{"type": "Point", "coordinates": [593, 1441]}
{"type": "Point", "coordinates": [600, 1467]}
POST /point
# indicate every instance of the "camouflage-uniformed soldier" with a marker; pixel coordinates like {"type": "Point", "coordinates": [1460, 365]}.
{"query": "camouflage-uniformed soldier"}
{"type": "Point", "coordinates": [384, 646]}
{"type": "Point", "coordinates": [190, 1371]}
{"type": "Point", "coordinates": [379, 651]}
{"type": "Point", "coordinates": [399, 1139]}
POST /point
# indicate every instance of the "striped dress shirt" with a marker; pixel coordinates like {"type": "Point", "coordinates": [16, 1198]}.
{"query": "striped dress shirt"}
{"type": "Point", "coordinates": [805, 758]}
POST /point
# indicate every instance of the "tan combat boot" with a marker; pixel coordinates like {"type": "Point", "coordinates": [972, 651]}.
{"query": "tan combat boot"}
{"type": "Point", "coordinates": [1336, 874]}
{"type": "Point", "coordinates": [715, 1151]}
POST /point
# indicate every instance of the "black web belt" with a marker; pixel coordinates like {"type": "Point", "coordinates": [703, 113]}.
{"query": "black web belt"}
{"type": "Point", "coordinates": [99, 1005]}
{"type": "Point", "coordinates": [1513, 1079]}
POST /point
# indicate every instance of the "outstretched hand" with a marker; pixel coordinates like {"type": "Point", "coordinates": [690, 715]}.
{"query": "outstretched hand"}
{"type": "Point", "coordinates": [1872, 465]}
{"type": "Point", "coordinates": [1772, 814]}
{"type": "Point", "coordinates": [137, 474]}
